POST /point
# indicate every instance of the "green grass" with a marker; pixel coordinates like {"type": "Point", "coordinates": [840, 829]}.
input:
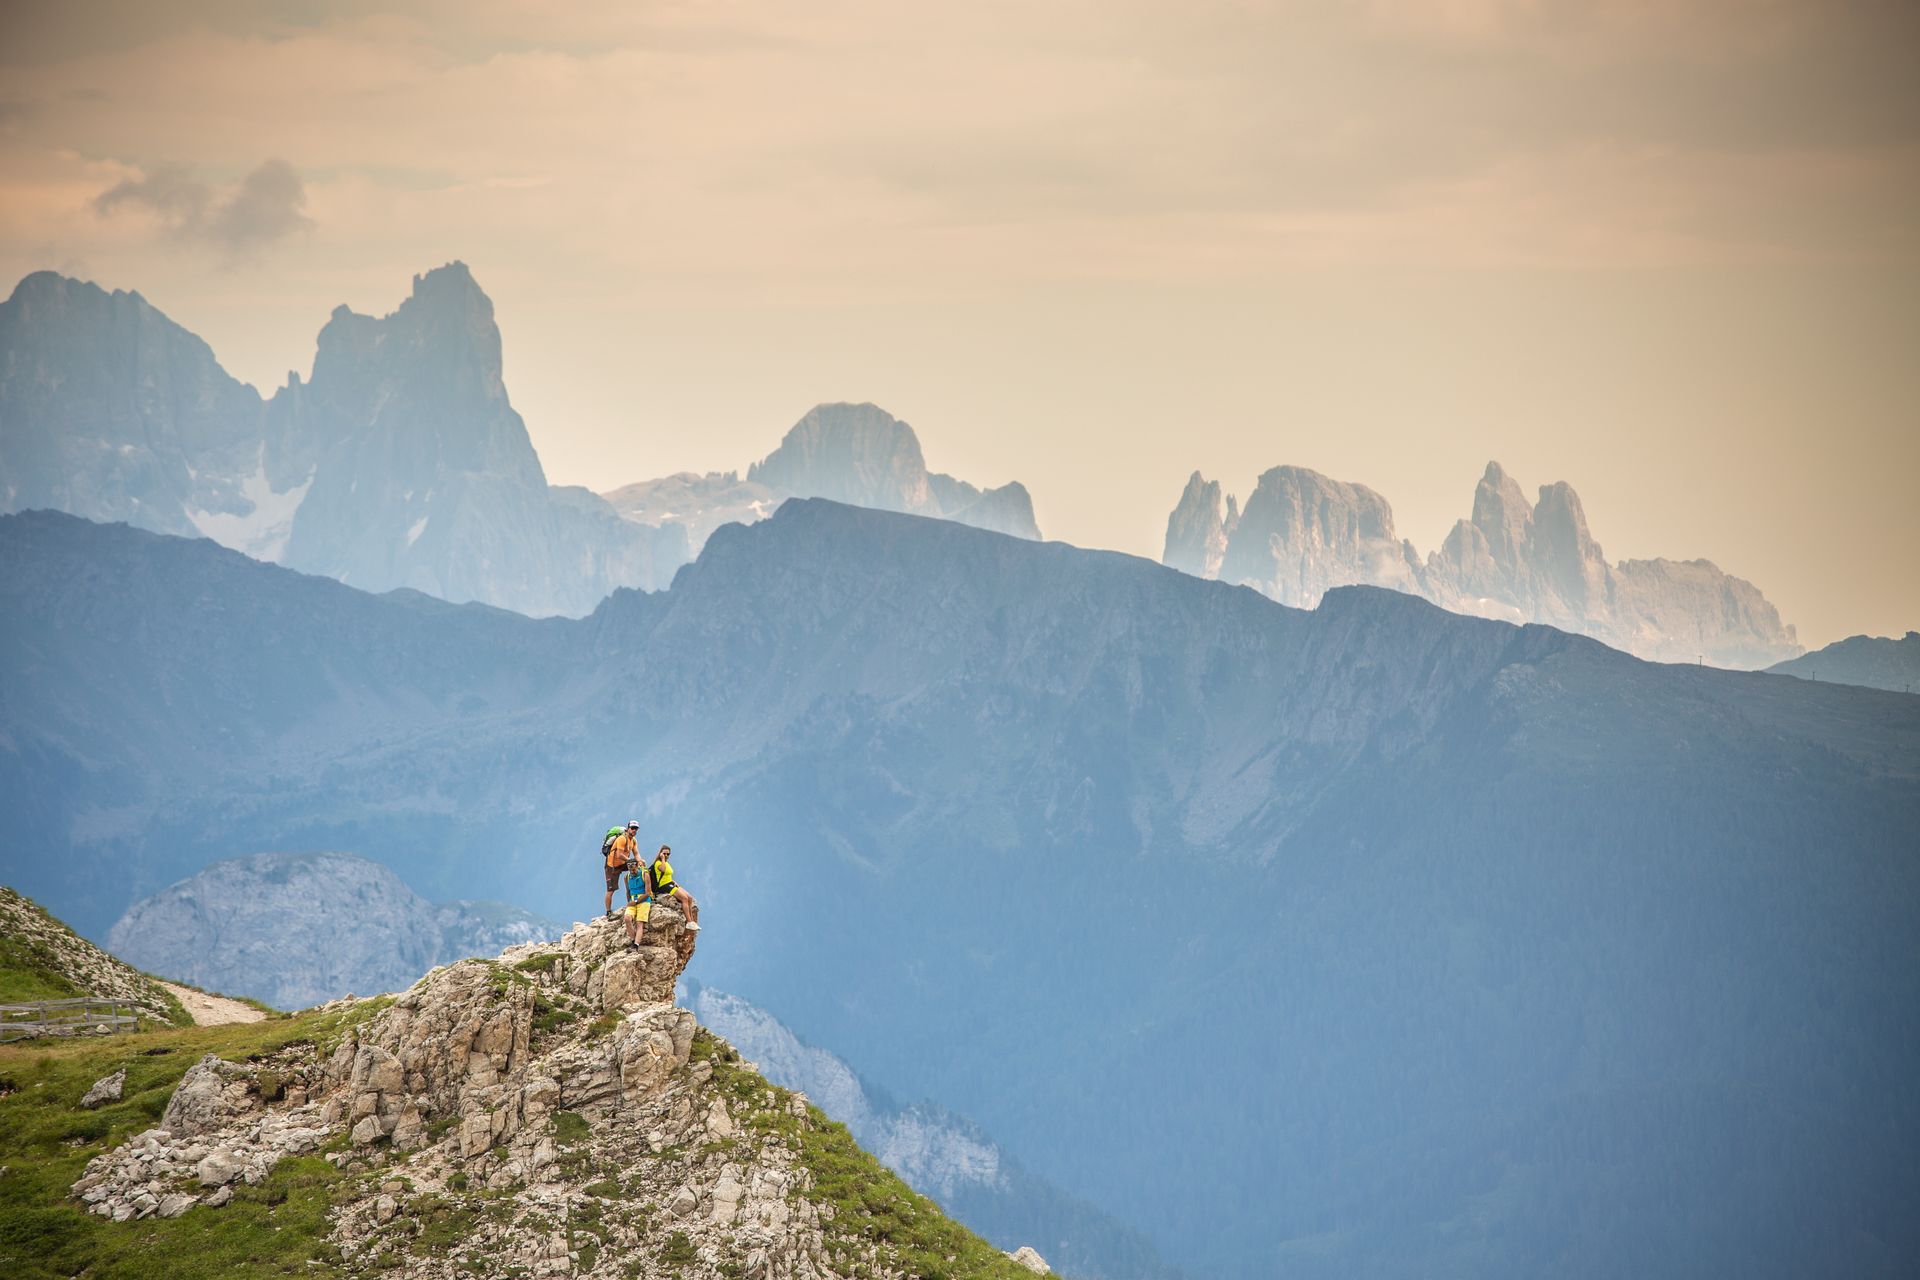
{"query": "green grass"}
{"type": "Point", "coordinates": [550, 1016]}
{"type": "Point", "coordinates": [27, 973]}
{"type": "Point", "coordinates": [570, 1128]}
{"type": "Point", "coordinates": [869, 1201]}
{"type": "Point", "coordinates": [30, 969]}
{"type": "Point", "coordinates": [275, 1229]}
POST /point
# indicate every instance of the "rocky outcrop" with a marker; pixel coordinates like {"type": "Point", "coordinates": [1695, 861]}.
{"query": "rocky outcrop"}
{"type": "Point", "coordinates": [858, 454]}
{"type": "Point", "coordinates": [554, 1101]}
{"type": "Point", "coordinates": [1518, 561]}
{"type": "Point", "coordinates": [1198, 529]}
{"type": "Point", "coordinates": [426, 477]}
{"type": "Point", "coordinates": [399, 463]}
{"type": "Point", "coordinates": [1538, 562]}
{"type": "Point", "coordinates": [854, 453]}
{"type": "Point", "coordinates": [1302, 534]}
{"type": "Point", "coordinates": [105, 1090]}
{"type": "Point", "coordinates": [297, 929]}
{"type": "Point", "coordinates": [474, 1051]}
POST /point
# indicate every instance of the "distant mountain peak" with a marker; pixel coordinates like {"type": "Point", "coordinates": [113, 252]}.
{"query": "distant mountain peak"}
{"type": "Point", "coordinates": [1518, 560]}
{"type": "Point", "coordinates": [453, 287]}
{"type": "Point", "coordinates": [397, 462]}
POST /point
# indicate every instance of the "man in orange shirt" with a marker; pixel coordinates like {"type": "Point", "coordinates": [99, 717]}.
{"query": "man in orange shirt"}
{"type": "Point", "coordinates": [623, 852]}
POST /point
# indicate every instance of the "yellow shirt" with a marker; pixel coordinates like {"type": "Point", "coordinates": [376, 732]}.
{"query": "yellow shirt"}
{"type": "Point", "coordinates": [662, 876]}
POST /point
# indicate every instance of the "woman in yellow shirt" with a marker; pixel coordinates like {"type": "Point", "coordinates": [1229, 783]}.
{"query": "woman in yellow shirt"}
{"type": "Point", "coordinates": [664, 887]}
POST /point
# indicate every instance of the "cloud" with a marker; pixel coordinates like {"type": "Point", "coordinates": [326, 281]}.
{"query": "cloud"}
{"type": "Point", "coordinates": [266, 206]}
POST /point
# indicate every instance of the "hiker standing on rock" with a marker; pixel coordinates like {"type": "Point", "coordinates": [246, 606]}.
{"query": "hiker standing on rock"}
{"type": "Point", "coordinates": [664, 887]}
{"type": "Point", "coordinates": [622, 850]}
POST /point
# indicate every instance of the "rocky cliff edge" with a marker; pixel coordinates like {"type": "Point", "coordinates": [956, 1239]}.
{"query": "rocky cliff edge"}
{"type": "Point", "coordinates": [557, 1109]}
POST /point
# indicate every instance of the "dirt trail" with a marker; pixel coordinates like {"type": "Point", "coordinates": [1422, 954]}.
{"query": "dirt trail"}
{"type": "Point", "coordinates": [210, 1011]}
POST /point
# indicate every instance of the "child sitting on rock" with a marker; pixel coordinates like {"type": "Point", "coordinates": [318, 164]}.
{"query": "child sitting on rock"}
{"type": "Point", "coordinates": [639, 902]}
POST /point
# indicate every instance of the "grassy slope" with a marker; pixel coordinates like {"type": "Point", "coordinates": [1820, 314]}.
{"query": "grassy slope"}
{"type": "Point", "coordinates": [31, 969]}
{"type": "Point", "coordinates": [871, 1205]}
{"type": "Point", "coordinates": [276, 1228]}
{"type": "Point", "coordinates": [279, 1228]}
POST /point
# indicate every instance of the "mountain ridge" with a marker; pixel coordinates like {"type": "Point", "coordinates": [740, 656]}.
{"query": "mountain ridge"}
{"type": "Point", "coordinates": [1516, 560]}
{"type": "Point", "coordinates": [856, 453]}
{"type": "Point", "coordinates": [1431, 898]}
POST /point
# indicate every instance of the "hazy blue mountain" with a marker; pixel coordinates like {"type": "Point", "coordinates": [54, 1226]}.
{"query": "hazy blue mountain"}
{"type": "Point", "coordinates": [297, 929]}
{"type": "Point", "coordinates": [941, 1154]}
{"type": "Point", "coordinates": [1519, 561]}
{"type": "Point", "coordinates": [399, 462]}
{"type": "Point", "coordinates": [1367, 940]}
{"type": "Point", "coordinates": [1878, 662]}
{"type": "Point", "coordinates": [111, 411]}
{"type": "Point", "coordinates": [852, 453]}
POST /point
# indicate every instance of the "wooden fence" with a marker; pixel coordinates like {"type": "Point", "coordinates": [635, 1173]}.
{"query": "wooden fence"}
{"type": "Point", "coordinates": [67, 1017]}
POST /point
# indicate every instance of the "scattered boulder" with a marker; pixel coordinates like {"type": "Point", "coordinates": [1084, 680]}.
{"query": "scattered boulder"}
{"type": "Point", "coordinates": [105, 1090]}
{"type": "Point", "coordinates": [174, 1205]}
{"type": "Point", "coordinates": [213, 1094]}
{"type": "Point", "coordinates": [1027, 1257]}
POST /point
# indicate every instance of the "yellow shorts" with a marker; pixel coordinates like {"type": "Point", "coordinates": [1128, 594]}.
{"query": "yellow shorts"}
{"type": "Point", "coordinates": [640, 911]}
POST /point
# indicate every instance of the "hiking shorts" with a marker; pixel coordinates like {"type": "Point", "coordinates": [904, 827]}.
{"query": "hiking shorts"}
{"type": "Point", "coordinates": [640, 911]}
{"type": "Point", "coordinates": [613, 876]}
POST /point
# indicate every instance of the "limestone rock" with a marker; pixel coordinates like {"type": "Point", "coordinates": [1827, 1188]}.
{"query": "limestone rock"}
{"type": "Point", "coordinates": [1302, 534]}
{"type": "Point", "coordinates": [1031, 1260]}
{"type": "Point", "coordinates": [212, 1095]}
{"type": "Point", "coordinates": [106, 1089]}
{"type": "Point", "coordinates": [1198, 529]}
{"type": "Point", "coordinates": [457, 1095]}
{"type": "Point", "coordinates": [854, 453]}
{"type": "Point", "coordinates": [174, 1205]}
{"type": "Point", "coordinates": [219, 1169]}
{"type": "Point", "coordinates": [297, 929]}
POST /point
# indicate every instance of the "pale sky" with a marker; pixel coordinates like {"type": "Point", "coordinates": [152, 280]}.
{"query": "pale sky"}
{"type": "Point", "coordinates": [1668, 252]}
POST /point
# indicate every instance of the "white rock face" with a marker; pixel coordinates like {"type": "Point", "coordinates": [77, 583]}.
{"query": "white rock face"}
{"type": "Point", "coordinates": [1198, 529]}
{"type": "Point", "coordinates": [1302, 534]}
{"type": "Point", "coordinates": [1029, 1258]}
{"type": "Point", "coordinates": [296, 929]}
{"type": "Point", "coordinates": [1519, 561]}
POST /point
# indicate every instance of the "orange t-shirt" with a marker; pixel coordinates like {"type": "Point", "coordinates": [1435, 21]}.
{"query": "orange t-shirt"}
{"type": "Point", "coordinates": [623, 851]}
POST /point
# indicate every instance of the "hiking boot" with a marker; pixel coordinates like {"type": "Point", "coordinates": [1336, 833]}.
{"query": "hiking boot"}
{"type": "Point", "coordinates": [613, 915]}
{"type": "Point", "coordinates": [693, 926]}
